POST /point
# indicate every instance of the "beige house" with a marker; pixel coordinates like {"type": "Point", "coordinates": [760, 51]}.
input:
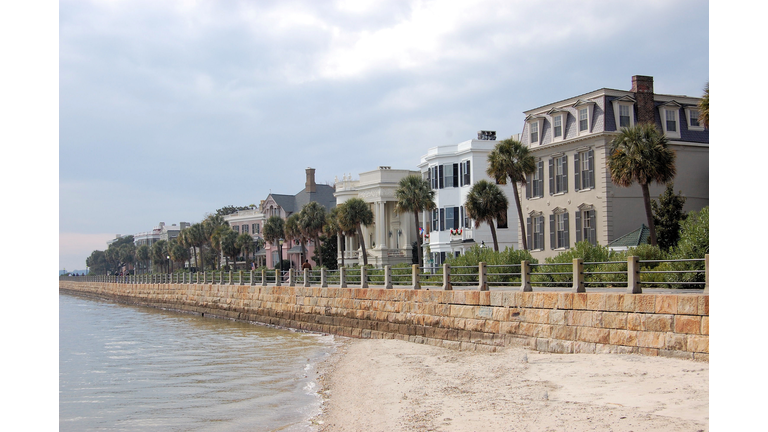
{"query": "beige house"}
{"type": "Point", "coordinates": [570, 197]}
{"type": "Point", "coordinates": [388, 241]}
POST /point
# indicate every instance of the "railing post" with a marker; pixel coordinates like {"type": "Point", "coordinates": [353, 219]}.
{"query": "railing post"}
{"type": "Point", "coordinates": [415, 277]}
{"type": "Point", "coordinates": [291, 277]}
{"type": "Point", "coordinates": [278, 275]}
{"type": "Point", "coordinates": [306, 278]}
{"type": "Point", "coordinates": [633, 275]}
{"type": "Point", "coordinates": [240, 276]}
{"type": "Point", "coordinates": [706, 274]}
{"type": "Point", "coordinates": [343, 277]}
{"type": "Point", "coordinates": [525, 276]}
{"type": "Point", "coordinates": [447, 286]}
{"type": "Point", "coordinates": [229, 276]}
{"type": "Point", "coordinates": [482, 276]}
{"type": "Point", "coordinates": [323, 277]}
{"type": "Point", "coordinates": [263, 277]}
{"type": "Point", "coordinates": [388, 277]}
{"type": "Point", "coordinates": [251, 278]}
{"type": "Point", "coordinates": [363, 277]}
{"type": "Point", "coordinates": [578, 276]}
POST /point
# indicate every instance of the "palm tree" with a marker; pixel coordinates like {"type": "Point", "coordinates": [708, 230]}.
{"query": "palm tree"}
{"type": "Point", "coordinates": [415, 195]}
{"type": "Point", "coordinates": [196, 237]}
{"type": "Point", "coordinates": [332, 229]}
{"type": "Point", "coordinates": [229, 247]}
{"type": "Point", "coordinates": [486, 202]}
{"type": "Point", "coordinates": [211, 225]}
{"type": "Point", "coordinates": [353, 215]}
{"type": "Point", "coordinates": [143, 254]}
{"type": "Point", "coordinates": [640, 154]}
{"type": "Point", "coordinates": [178, 251]}
{"type": "Point", "coordinates": [274, 230]}
{"type": "Point", "coordinates": [704, 108]}
{"type": "Point", "coordinates": [159, 253]}
{"type": "Point", "coordinates": [245, 245]}
{"type": "Point", "coordinates": [312, 222]}
{"type": "Point", "coordinates": [293, 232]}
{"type": "Point", "coordinates": [510, 159]}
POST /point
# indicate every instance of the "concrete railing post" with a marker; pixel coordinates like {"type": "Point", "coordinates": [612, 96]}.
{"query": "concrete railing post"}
{"type": "Point", "coordinates": [278, 276]}
{"type": "Point", "coordinates": [251, 282]}
{"type": "Point", "coordinates": [363, 277]}
{"type": "Point", "coordinates": [578, 276]}
{"type": "Point", "coordinates": [231, 281]}
{"type": "Point", "coordinates": [525, 276]}
{"type": "Point", "coordinates": [306, 277]}
{"type": "Point", "coordinates": [263, 277]}
{"type": "Point", "coordinates": [482, 276]}
{"type": "Point", "coordinates": [343, 277]}
{"type": "Point", "coordinates": [323, 277]}
{"type": "Point", "coordinates": [387, 277]}
{"type": "Point", "coordinates": [633, 275]}
{"type": "Point", "coordinates": [447, 286]}
{"type": "Point", "coordinates": [706, 274]}
{"type": "Point", "coordinates": [291, 277]}
{"type": "Point", "coordinates": [415, 277]}
{"type": "Point", "coordinates": [240, 276]}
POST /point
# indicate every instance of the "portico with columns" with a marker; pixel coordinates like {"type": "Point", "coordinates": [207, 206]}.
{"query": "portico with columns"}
{"type": "Point", "coordinates": [388, 240]}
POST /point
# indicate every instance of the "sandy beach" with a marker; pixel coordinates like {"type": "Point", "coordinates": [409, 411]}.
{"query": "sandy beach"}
{"type": "Point", "coordinates": [391, 385]}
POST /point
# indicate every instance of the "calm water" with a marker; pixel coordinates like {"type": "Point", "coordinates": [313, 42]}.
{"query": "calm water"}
{"type": "Point", "coordinates": [131, 368]}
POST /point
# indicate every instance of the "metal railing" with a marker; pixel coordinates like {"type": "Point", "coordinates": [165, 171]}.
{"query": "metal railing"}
{"type": "Point", "coordinates": [631, 275]}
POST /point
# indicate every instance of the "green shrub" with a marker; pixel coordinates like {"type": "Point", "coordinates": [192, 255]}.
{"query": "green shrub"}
{"type": "Point", "coordinates": [508, 260]}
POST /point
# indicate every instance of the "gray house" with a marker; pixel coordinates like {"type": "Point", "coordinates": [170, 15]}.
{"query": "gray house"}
{"type": "Point", "coordinates": [570, 197]}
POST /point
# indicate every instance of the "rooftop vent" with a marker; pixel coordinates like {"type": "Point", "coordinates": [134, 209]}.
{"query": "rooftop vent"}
{"type": "Point", "coordinates": [385, 167]}
{"type": "Point", "coordinates": [486, 135]}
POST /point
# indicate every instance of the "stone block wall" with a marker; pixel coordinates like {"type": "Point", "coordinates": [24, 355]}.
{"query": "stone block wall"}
{"type": "Point", "coordinates": [675, 325]}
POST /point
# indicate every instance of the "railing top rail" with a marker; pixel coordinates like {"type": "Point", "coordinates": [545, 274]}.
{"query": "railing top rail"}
{"type": "Point", "coordinates": [673, 260]}
{"type": "Point", "coordinates": [551, 264]}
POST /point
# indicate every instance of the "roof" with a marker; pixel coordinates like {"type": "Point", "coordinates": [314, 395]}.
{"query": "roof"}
{"type": "Point", "coordinates": [633, 239]}
{"type": "Point", "coordinates": [295, 250]}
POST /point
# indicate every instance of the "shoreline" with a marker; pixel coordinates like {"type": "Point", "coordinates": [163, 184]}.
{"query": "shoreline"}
{"type": "Point", "coordinates": [391, 385]}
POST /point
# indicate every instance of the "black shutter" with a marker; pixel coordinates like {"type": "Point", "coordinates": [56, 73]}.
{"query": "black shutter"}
{"type": "Point", "coordinates": [578, 226]}
{"type": "Point", "coordinates": [565, 174]}
{"type": "Point", "coordinates": [540, 189]}
{"type": "Point", "coordinates": [566, 236]}
{"type": "Point", "coordinates": [440, 176]}
{"type": "Point", "coordinates": [529, 234]}
{"type": "Point", "coordinates": [461, 214]}
{"type": "Point", "coordinates": [455, 218]}
{"type": "Point", "coordinates": [593, 227]}
{"type": "Point", "coordinates": [551, 176]}
{"type": "Point", "coordinates": [455, 175]}
{"type": "Point", "coordinates": [591, 155]}
{"type": "Point", "coordinates": [442, 219]}
{"type": "Point", "coordinates": [552, 231]}
{"type": "Point", "coordinates": [576, 172]}
{"type": "Point", "coordinates": [467, 178]}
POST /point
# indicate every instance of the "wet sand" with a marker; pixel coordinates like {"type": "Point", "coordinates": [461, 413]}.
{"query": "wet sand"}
{"type": "Point", "coordinates": [392, 385]}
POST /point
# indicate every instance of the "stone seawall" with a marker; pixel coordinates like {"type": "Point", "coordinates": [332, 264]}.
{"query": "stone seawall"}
{"type": "Point", "coordinates": [674, 325]}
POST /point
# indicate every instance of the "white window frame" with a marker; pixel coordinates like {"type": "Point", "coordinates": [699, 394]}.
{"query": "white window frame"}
{"type": "Point", "coordinates": [539, 122]}
{"type": "Point", "coordinates": [673, 108]}
{"type": "Point", "coordinates": [589, 107]}
{"type": "Point", "coordinates": [625, 101]}
{"type": "Point", "coordinates": [555, 115]}
{"type": "Point", "coordinates": [537, 222]}
{"type": "Point", "coordinates": [688, 112]}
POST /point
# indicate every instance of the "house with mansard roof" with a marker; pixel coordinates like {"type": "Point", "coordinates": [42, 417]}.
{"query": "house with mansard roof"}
{"type": "Point", "coordinates": [570, 197]}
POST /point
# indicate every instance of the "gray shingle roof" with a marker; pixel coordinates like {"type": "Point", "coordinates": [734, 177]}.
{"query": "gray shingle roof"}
{"type": "Point", "coordinates": [633, 239]}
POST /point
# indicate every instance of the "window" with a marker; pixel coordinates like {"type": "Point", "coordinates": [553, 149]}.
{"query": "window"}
{"type": "Point", "coordinates": [256, 228]}
{"type": "Point", "coordinates": [236, 228]}
{"type": "Point", "coordinates": [558, 175]}
{"type": "Point", "coordinates": [465, 178]}
{"type": "Point", "coordinates": [245, 228]}
{"type": "Point", "coordinates": [586, 225]}
{"type": "Point", "coordinates": [435, 220]}
{"type": "Point", "coordinates": [467, 220]}
{"type": "Point", "coordinates": [534, 187]}
{"type": "Point", "coordinates": [535, 228]}
{"type": "Point", "coordinates": [693, 119]}
{"type": "Point", "coordinates": [558, 126]}
{"type": "Point", "coordinates": [558, 230]}
{"type": "Point", "coordinates": [534, 133]}
{"type": "Point", "coordinates": [624, 116]}
{"type": "Point", "coordinates": [449, 218]}
{"type": "Point", "coordinates": [671, 121]}
{"type": "Point", "coordinates": [501, 221]}
{"type": "Point", "coordinates": [583, 119]}
{"type": "Point", "coordinates": [584, 170]}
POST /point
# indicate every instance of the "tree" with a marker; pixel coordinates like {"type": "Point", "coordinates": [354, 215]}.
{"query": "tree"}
{"type": "Point", "coordinates": [704, 107]}
{"type": "Point", "coordinates": [211, 224]}
{"type": "Point", "coordinates": [274, 231]}
{"type": "Point", "coordinates": [216, 236]}
{"type": "Point", "coordinates": [414, 195]}
{"type": "Point", "coordinates": [510, 159]}
{"type": "Point", "coordinates": [228, 210]}
{"type": "Point", "coordinates": [178, 251]}
{"type": "Point", "coordinates": [486, 202]}
{"type": "Point", "coordinates": [159, 253]}
{"type": "Point", "coordinates": [327, 252]}
{"type": "Point", "coordinates": [312, 220]}
{"type": "Point", "coordinates": [332, 230]}
{"type": "Point", "coordinates": [196, 238]}
{"type": "Point", "coordinates": [667, 215]}
{"type": "Point", "coordinates": [245, 245]}
{"type": "Point", "coordinates": [353, 215]}
{"type": "Point", "coordinates": [97, 263]}
{"type": "Point", "coordinates": [229, 247]}
{"type": "Point", "coordinates": [293, 232]}
{"type": "Point", "coordinates": [143, 255]}
{"type": "Point", "coordinates": [640, 154]}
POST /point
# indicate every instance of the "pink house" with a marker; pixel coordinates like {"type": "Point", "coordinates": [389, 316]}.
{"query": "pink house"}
{"type": "Point", "coordinates": [286, 205]}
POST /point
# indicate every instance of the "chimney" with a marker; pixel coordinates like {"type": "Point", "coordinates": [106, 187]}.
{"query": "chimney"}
{"type": "Point", "coordinates": [310, 186]}
{"type": "Point", "coordinates": [642, 87]}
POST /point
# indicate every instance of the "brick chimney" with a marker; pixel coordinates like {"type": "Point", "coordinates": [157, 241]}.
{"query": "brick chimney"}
{"type": "Point", "coordinates": [310, 186]}
{"type": "Point", "coordinates": [642, 87]}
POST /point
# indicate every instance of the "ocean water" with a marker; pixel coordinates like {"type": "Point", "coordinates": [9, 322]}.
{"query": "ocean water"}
{"type": "Point", "coordinates": [130, 368]}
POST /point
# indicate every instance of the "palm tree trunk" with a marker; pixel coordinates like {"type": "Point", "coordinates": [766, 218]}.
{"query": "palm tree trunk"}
{"type": "Point", "coordinates": [317, 250]}
{"type": "Point", "coordinates": [362, 245]}
{"type": "Point", "coordinates": [648, 212]}
{"type": "Point", "coordinates": [520, 218]}
{"type": "Point", "coordinates": [418, 240]}
{"type": "Point", "coordinates": [343, 247]}
{"type": "Point", "coordinates": [493, 234]}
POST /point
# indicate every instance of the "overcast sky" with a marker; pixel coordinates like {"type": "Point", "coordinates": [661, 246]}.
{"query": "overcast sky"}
{"type": "Point", "coordinates": [169, 110]}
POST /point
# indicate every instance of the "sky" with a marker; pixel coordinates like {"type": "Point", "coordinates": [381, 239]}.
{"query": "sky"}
{"type": "Point", "coordinates": [169, 110]}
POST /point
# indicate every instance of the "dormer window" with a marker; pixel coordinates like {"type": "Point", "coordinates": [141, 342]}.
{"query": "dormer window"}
{"type": "Point", "coordinates": [624, 112]}
{"type": "Point", "coordinates": [535, 127]}
{"type": "Point", "coordinates": [557, 118]}
{"type": "Point", "coordinates": [670, 119]}
{"type": "Point", "coordinates": [584, 115]}
{"type": "Point", "coordinates": [692, 116]}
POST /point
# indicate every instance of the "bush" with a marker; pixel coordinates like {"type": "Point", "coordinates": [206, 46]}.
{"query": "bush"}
{"type": "Point", "coordinates": [509, 260]}
{"type": "Point", "coordinates": [693, 243]}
